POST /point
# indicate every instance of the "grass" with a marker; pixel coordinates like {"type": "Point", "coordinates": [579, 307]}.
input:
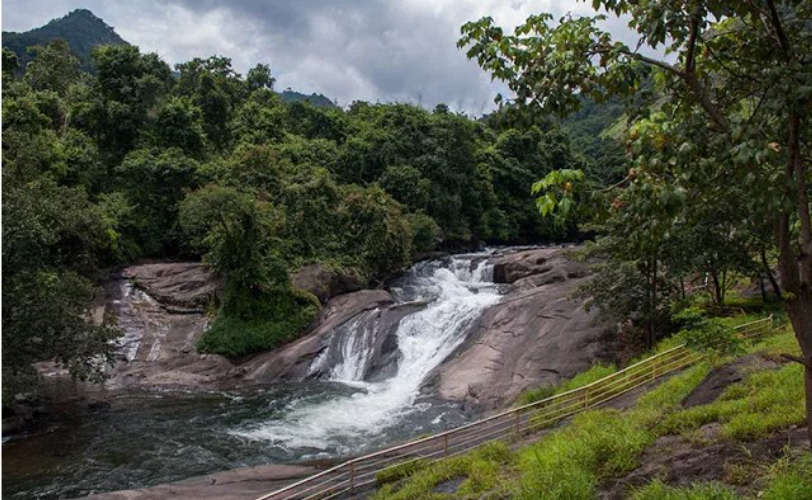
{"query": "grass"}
{"type": "Point", "coordinates": [657, 490]}
{"type": "Point", "coordinates": [598, 444]}
{"type": "Point", "coordinates": [762, 403]}
{"type": "Point", "coordinates": [786, 479]}
{"type": "Point", "coordinates": [596, 372]}
{"type": "Point", "coordinates": [480, 470]}
{"type": "Point", "coordinates": [790, 479]}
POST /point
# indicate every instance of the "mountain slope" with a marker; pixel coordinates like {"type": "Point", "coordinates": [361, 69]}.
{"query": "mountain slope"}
{"type": "Point", "coordinates": [317, 100]}
{"type": "Point", "coordinates": [80, 28]}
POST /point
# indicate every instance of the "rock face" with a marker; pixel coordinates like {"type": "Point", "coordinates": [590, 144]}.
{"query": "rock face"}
{"type": "Point", "coordinates": [184, 284]}
{"type": "Point", "coordinates": [237, 484]}
{"type": "Point", "coordinates": [161, 310]}
{"type": "Point", "coordinates": [326, 283]}
{"type": "Point", "coordinates": [293, 360]}
{"type": "Point", "coordinates": [538, 334]}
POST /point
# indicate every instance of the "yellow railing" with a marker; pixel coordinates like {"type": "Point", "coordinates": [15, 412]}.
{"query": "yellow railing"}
{"type": "Point", "coordinates": [362, 472]}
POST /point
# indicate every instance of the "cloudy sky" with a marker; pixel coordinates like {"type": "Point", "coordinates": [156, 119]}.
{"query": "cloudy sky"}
{"type": "Point", "coordinates": [374, 50]}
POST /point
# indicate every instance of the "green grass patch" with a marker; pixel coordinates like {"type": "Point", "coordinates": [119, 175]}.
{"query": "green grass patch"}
{"type": "Point", "coordinates": [482, 471]}
{"type": "Point", "coordinates": [657, 490]}
{"type": "Point", "coordinates": [401, 471]}
{"type": "Point", "coordinates": [762, 403]}
{"type": "Point", "coordinates": [598, 444]}
{"type": "Point", "coordinates": [791, 480]}
{"type": "Point", "coordinates": [596, 372]}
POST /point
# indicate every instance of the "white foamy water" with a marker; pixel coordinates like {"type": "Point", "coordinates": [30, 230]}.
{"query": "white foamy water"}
{"type": "Point", "coordinates": [457, 293]}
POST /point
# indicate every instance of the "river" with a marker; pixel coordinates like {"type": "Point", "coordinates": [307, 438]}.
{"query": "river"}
{"type": "Point", "coordinates": [147, 438]}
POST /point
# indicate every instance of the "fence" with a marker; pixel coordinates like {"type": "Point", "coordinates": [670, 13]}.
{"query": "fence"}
{"type": "Point", "coordinates": [359, 473]}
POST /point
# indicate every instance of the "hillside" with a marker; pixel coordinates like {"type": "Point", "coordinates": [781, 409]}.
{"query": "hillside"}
{"type": "Point", "coordinates": [80, 28]}
{"type": "Point", "coordinates": [317, 100]}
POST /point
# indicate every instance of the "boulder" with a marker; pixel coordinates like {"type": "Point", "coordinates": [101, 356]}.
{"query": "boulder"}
{"type": "Point", "coordinates": [514, 266]}
{"type": "Point", "coordinates": [184, 284]}
{"type": "Point", "coordinates": [537, 334]}
{"type": "Point", "coordinates": [325, 282]}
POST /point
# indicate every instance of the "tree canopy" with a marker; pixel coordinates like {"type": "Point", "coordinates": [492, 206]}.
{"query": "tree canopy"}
{"type": "Point", "coordinates": [719, 145]}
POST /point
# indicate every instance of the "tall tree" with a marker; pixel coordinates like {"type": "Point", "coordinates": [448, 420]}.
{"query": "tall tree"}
{"type": "Point", "coordinates": [736, 110]}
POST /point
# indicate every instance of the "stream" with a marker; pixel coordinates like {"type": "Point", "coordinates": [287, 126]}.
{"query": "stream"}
{"type": "Point", "coordinates": [150, 437]}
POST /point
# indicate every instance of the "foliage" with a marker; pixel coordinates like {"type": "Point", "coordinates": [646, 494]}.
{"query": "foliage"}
{"type": "Point", "coordinates": [718, 146]}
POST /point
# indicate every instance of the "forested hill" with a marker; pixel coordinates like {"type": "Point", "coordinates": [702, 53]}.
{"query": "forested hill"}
{"type": "Point", "coordinates": [317, 100]}
{"type": "Point", "coordinates": [80, 28]}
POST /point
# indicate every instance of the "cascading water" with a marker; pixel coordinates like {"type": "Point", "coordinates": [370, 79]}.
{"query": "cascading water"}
{"type": "Point", "coordinates": [363, 393]}
{"type": "Point", "coordinates": [455, 291]}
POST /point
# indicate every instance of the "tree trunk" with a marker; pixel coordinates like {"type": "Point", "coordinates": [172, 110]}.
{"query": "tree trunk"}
{"type": "Point", "coordinates": [794, 267]}
{"type": "Point", "coordinates": [800, 314]}
{"type": "Point", "coordinates": [770, 276]}
{"type": "Point", "coordinates": [761, 287]}
{"type": "Point", "coordinates": [717, 290]}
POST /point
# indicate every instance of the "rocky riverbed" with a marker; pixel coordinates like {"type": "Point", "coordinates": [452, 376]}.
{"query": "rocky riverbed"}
{"type": "Point", "coordinates": [505, 320]}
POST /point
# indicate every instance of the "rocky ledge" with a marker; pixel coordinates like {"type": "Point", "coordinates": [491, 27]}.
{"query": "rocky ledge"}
{"type": "Point", "coordinates": [538, 334]}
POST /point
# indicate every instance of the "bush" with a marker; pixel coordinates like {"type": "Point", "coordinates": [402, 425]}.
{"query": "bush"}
{"type": "Point", "coordinates": [265, 322]}
{"type": "Point", "coordinates": [426, 233]}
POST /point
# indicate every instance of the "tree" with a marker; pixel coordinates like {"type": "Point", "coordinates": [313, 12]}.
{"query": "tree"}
{"type": "Point", "coordinates": [53, 240]}
{"type": "Point", "coordinates": [54, 67]}
{"type": "Point", "coordinates": [734, 112]}
{"type": "Point", "coordinates": [129, 85]}
{"type": "Point", "coordinates": [180, 124]}
{"type": "Point", "coordinates": [259, 77]}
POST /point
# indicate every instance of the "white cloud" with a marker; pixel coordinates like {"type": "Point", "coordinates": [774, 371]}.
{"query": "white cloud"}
{"type": "Point", "coordinates": [348, 50]}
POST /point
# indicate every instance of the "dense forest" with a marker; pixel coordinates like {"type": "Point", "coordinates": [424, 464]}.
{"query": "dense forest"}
{"type": "Point", "coordinates": [133, 160]}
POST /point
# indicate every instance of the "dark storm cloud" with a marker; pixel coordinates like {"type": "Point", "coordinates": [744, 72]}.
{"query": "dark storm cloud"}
{"type": "Point", "coordinates": [347, 50]}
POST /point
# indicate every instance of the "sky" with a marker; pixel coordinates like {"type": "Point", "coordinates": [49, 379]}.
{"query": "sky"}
{"type": "Point", "coordinates": [372, 50]}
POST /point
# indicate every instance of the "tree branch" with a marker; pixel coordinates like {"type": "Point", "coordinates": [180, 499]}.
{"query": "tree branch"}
{"type": "Point", "coordinates": [779, 29]}
{"type": "Point", "coordinates": [792, 357]}
{"type": "Point", "coordinates": [689, 57]}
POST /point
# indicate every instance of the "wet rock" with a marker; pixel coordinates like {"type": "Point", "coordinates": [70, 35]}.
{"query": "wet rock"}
{"type": "Point", "coordinates": [326, 283]}
{"type": "Point", "coordinates": [536, 335]}
{"type": "Point", "coordinates": [293, 360]}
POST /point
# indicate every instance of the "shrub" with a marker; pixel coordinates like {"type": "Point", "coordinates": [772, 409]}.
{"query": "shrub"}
{"type": "Point", "coordinates": [265, 322]}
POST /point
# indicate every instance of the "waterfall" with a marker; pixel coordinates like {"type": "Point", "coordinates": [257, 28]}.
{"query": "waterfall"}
{"type": "Point", "coordinates": [456, 290]}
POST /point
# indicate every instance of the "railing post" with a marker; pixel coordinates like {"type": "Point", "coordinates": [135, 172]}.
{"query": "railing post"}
{"type": "Point", "coordinates": [352, 477]}
{"type": "Point", "coordinates": [517, 423]}
{"type": "Point", "coordinates": [586, 397]}
{"type": "Point", "coordinates": [654, 368]}
{"type": "Point", "coordinates": [445, 444]}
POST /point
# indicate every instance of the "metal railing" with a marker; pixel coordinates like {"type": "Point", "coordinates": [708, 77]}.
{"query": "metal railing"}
{"type": "Point", "coordinates": [362, 472]}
